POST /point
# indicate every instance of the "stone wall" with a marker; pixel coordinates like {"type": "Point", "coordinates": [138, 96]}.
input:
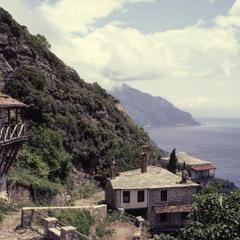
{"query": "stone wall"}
{"type": "Point", "coordinates": [182, 195]}
{"type": "Point", "coordinates": [174, 195]}
{"type": "Point", "coordinates": [99, 212]}
{"type": "Point", "coordinates": [23, 195]}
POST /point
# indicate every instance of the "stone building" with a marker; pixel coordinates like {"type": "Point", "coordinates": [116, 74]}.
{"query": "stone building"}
{"type": "Point", "coordinates": [12, 135]}
{"type": "Point", "coordinates": [198, 170]}
{"type": "Point", "coordinates": [161, 197]}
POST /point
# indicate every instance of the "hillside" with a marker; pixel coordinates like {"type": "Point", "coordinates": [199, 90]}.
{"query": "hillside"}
{"type": "Point", "coordinates": [70, 122]}
{"type": "Point", "coordinates": [149, 111]}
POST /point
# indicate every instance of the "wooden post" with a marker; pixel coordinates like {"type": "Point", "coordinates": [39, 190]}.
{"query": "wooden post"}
{"type": "Point", "coordinates": [9, 117]}
{"type": "Point", "coordinates": [16, 113]}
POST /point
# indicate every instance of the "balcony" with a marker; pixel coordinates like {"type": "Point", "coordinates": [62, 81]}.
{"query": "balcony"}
{"type": "Point", "coordinates": [12, 133]}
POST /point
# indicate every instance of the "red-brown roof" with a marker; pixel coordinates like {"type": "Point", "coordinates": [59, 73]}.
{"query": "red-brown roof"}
{"type": "Point", "coordinates": [9, 102]}
{"type": "Point", "coordinates": [203, 167]}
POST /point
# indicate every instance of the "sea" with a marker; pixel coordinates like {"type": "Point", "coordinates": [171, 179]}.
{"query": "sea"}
{"type": "Point", "coordinates": [215, 140]}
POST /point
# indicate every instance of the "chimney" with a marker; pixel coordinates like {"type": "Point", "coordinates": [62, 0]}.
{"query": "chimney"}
{"type": "Point", "coordinates": [144, 162]}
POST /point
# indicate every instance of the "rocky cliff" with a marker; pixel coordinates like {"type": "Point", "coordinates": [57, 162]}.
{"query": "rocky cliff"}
{"type": "Point", "coordinates": [149, 111]}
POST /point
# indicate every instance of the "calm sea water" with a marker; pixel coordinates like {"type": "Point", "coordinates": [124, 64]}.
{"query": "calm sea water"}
{"type": "Point", "coordinates": [216, 140]}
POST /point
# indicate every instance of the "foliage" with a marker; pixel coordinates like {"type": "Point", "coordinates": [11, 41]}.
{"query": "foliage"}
{"type": "Point", "coordinates": [69, 120]}
{"type": "Point", "coordinates": [82, 220]}
{"type": "Point", "coordinates": [85, 190]}
{"type": "Point", "coordinates": [214, 216]}
{"type": "Point", "coordinates": [103, 229]}
{"type": "Point", "coordinates": [87, 116]}
{"type": "Point", "coordinates": [44, 156]}
{"type": "Point", "coordinates": [218, 185]}
{"type": "Point", "coordinates": [6, 208]}
{"type": "Point", "coordinates": [172, 166]}
{"type": "Point", "coordinates": [163, 237]}
{"type": "Point", "coordinates": [42, 190]}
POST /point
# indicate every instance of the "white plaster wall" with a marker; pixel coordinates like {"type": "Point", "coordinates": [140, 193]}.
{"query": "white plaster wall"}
{"type": "Point", "coordinates": [134, 204]}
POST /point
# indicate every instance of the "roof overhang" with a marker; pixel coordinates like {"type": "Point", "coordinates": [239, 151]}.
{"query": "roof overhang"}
{"type": "Point", "coordinates": [173, 208]}
{"type": "Point", "coordinates": [9, 102]}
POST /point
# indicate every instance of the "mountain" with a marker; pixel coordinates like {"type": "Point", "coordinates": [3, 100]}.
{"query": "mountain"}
{"type": "Point", "coordinates": [70, 122]}
{"type": "Point", "coordinates": [149, 111]}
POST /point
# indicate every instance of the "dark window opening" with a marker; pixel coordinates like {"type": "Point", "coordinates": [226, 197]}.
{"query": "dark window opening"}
{"type": "Point", "coordinates": [141, 196]}
{"type": "Point", "coordinates": [163, 217]}
{"type": "Point", "coordinates": [164, 195]}
{"type": "Point", "coordinates": [126, 196]}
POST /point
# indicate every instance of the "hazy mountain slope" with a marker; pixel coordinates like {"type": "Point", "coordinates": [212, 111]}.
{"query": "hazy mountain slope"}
{"type": "Point", "coordinates": [92, 127]}
{"type": "Point", "coordinates": [147, 110]}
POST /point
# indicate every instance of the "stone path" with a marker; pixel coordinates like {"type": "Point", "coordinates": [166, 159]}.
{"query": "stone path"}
{"type": "Point", "coordinates": [10, 230]}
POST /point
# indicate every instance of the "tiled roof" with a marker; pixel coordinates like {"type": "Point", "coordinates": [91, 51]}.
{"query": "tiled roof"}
{"type": "Point", "coordinates": [204, 167]}
{"type": "Point", "coordinates": [188, 159]}
{"type": "Point", "coordinates": [7, 102]}
{"type": "Point", "coordinates": [155, 177]}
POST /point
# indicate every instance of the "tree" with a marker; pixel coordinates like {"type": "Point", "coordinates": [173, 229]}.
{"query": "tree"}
{"type": "Point", "coordinates": [214, 216]}
{"type": "Point", "coordinates": [172, 166]}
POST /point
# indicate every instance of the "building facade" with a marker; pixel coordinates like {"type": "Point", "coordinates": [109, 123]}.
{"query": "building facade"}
{"type": "Point", "coordinates": [161, 197]}
{"type": "Point", "coordinates": [198, 170]}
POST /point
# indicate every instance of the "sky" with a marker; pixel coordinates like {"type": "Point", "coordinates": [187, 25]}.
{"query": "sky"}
{"type": "Point", "coordinates": [186, 51]}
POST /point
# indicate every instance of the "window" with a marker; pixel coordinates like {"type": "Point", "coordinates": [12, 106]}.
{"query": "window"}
{"type": "Point", "coordinates": [163, 195]}
{"type": "Point", "coordinates": [126, 196]}
{"type": "Point", "coordinates": [163, 217]}
{"type": "Point", "coordinates": [141, 196]}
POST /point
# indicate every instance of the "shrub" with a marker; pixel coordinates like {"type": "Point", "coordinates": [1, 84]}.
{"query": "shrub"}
{"type": "Point", "coordinates": [82, 220]}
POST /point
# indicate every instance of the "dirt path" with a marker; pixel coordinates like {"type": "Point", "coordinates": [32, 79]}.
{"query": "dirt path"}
{"type": "Point", "coordinates": [122, 231]}
{"type": "Point", "coordinates": [9, 229]}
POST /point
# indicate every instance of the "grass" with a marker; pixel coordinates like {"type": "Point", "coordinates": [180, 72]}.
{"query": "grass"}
{"type": "Point", "coordinates": [81, 220]}
{"type": "Point", "coordinates": [6, 208]}
{"type": "Point", "coordinates": [41, 189]}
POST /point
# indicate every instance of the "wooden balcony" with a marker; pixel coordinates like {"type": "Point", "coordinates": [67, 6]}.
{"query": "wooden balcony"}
{"type": "Point", "coordinates": [12, 133]}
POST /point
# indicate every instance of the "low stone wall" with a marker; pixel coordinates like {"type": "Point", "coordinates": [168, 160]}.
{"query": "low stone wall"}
{"type": "Point", "coordinates": [29, 215]}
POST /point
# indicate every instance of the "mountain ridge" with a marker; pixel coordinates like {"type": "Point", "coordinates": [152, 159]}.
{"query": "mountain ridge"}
{"type": "Point", "coordinates": [151, 111]}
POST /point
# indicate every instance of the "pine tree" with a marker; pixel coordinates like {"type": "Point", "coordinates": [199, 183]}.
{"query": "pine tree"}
{"type": "Point", "coordinates": [172, 166]}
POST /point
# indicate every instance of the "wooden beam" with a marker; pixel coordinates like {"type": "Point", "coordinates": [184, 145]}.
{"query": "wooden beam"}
{"type": "Point", "coordinates": [12, 157]}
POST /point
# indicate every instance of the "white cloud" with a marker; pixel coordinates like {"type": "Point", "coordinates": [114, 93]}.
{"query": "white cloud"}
{"type": "Point", "coordinates": [80, 15]}
{"type": "Point", "coordinates": [207, 56]}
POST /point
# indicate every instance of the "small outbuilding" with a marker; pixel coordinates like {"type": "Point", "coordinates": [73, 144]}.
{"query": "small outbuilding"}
{"type": "Point", "coordinates": [200, 171]}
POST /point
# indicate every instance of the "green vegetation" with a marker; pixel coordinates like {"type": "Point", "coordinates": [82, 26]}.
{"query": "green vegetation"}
{"type": "Point", "coordinates": [70, 122]}
{"type": "Point", "coordinates": [172, 166]}
{"type": "Point", "coordinates": [219, 185]}
{"type": "Point", "coordinates": [86, 189]}
{"type": "Point", "coordinates": [214, 216]}
{"type": "Point", "coordinates": [6, 208]}
{"type": "Point", "coordinates": [81, 220]}
{"type": "Point", "coordinates": [42, 190]}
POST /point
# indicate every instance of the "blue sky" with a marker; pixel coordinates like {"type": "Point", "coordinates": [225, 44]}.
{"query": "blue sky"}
{"type": "Point", "coordinates": [187, 51]}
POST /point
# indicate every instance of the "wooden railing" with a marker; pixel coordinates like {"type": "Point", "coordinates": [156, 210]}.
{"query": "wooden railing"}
{"type": "Point", "coordinates": [12, 132]}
